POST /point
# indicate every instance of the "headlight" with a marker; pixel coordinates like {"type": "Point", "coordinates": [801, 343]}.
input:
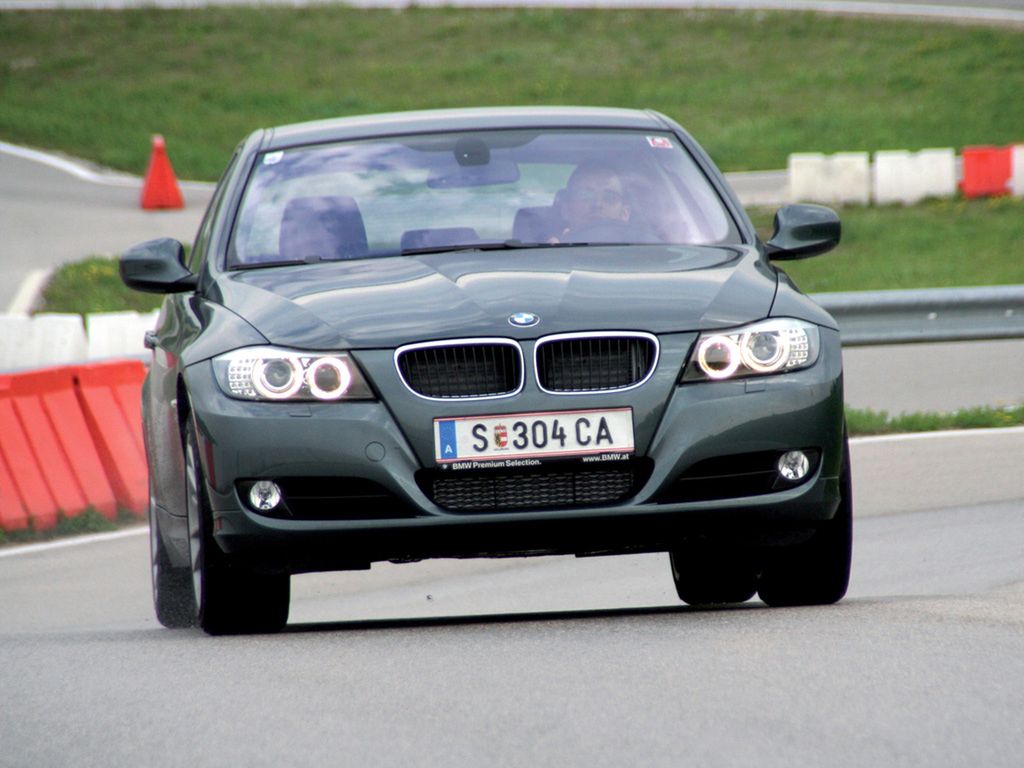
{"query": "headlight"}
{"type": "Point", "coordinates": [268, 373]}
{"type": "Point", "coordinates": [770, 346]}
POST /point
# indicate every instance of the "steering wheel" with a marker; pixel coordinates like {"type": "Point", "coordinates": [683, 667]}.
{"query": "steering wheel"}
{"type": "Point", "coordinates": [603, 231]}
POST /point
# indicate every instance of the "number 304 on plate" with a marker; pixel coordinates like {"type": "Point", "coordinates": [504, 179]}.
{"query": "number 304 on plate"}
{"type": "Point", "coordinates": [538, 435]}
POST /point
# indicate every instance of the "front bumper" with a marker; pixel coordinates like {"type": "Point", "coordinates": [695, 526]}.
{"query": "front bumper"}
{"type": "Point", "coordinates": [677, 427]}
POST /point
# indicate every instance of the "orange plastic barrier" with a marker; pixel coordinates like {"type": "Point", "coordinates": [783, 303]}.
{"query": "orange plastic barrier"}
{"type": "Point", "coordinates": [13, 515]}
{"type": "Point", "coordinates": [22, 477]}
{"type": "Point", "coordinates": [987, 171]}
{"type": "Point", "coordinates": [160, 188]}
{"type": "Point", "coordinates": [71, 439]}
{"type": "Point", "coordinates": [109, 394]}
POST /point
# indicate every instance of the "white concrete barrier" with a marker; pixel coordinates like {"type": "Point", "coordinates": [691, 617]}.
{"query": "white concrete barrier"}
{"type": "Point", "coordinates": [59, 338]}
{"type": "Point", "coordinates": [15, 345]}
{"type": "Point", "coordinates": [1017, 175]}
{"type": "Point", "coordinates": [118, 334]}
{"type": "Point", "coordinates": [900, 176]}
{"type": "Point", "coordinates": [40, 341]}
{"type": "Point", "coordinates": [831, 179]}
{"type": "Point", "coordinates": [49, 339]}
{"type": "Point", "coordinates": [938, 172]}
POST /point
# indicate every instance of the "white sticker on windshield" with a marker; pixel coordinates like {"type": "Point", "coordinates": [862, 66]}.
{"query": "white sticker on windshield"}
{"type": "Point", "coordinates": [273, 158]}
{"type": "Point", "coordinates": [659, 142]}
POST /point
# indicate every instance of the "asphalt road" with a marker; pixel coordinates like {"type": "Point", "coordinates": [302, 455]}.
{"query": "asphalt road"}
{"type": "Point", "coordinates": [551, 661]}
{"type": "Point", "coordinates": [54, 212]}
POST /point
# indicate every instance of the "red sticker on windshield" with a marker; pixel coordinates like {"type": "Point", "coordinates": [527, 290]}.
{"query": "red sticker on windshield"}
{"type": "Point", "coordinates": [659, 142]}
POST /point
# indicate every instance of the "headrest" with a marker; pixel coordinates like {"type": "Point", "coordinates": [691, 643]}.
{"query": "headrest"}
{"type": "Point", "coordinates": [322, 228]}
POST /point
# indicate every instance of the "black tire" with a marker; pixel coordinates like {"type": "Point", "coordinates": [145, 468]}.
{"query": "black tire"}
{"type": "Point", "coordinates": [816, 572]}
{"type": "Point", "coordinates": [172, 587]}
{"type": "Point", "coordinates": [712, 577]}
{"type": "Point", "coordinates": [229, 598]}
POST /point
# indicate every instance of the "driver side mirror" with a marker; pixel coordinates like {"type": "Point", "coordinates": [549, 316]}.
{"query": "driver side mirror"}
{"type": "Point", "coordinates": [157, 266]}
{"type": "Point", "coordinates": [802, 231]}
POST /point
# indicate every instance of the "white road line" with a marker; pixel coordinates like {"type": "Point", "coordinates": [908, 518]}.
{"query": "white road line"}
{"type": "Point", "coordinates": [82, 172]}
{"type": "Point", "coordinates": [948, 12]}
{"type": "Point", "coordinates": [77, 541]}
{"type": "Point", "coordinates": [846, 7]}
{"type": "Point", "coordinates": [943, 435]}
{"type": "Point", "coordinates": [67, 166]}
{"type": "Point", "coordinates": [28, 292]}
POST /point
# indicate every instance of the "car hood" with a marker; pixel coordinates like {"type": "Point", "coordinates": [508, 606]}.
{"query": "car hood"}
{"type": "Point", "coordinates": [386, 302]}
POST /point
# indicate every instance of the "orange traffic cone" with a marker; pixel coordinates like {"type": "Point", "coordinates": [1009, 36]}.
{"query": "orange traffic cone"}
{"type": "Point", "coordinates": [160, 189]}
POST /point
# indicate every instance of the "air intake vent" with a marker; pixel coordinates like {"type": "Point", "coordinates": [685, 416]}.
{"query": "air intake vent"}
{"type": "Point", "coordinates": [539, 490]}
{"type": "Point", "coordinates": [595, 362]}
{"type": "Point", "coordinates": [462, 369]}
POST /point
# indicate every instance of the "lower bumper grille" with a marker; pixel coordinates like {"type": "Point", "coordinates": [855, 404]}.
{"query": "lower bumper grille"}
{"type": "Point", "coordinates": [552, 489]}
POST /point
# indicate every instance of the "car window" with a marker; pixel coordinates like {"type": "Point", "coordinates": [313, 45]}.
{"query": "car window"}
{"type": "Point", "coordinates": [202, 241]}
{"type": "Point", "coordinates": [414, 194]}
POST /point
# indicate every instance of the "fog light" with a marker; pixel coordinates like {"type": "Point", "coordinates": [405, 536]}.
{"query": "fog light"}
{"type": "Point", "coordinates": [794, 465]}
{"type": "Point", "coordinates": [264, 495]}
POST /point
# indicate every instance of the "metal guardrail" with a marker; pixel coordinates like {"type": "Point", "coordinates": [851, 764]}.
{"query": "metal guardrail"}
{"type": "Point", "coordinates": [927, 315]}
{"type": "Point", "coordinates": [864, 317]}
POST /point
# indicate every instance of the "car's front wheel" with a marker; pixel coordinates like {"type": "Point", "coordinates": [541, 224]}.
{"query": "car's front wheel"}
{"type": "Point", "coordinates": [172, 586]}
{"type": "Point", "coordinates": [229, 598]}
{"type": "Point", "coordinates": [816, 572]}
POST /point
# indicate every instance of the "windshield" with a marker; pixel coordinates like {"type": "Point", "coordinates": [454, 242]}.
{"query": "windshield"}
{"type": "Point", "coordinates": [479, 190]}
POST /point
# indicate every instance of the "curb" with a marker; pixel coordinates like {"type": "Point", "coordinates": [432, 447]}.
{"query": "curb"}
{"type": "Point", "coordinates": [937, 11]}
{"type": "Point", "coordinates": [84, 171]}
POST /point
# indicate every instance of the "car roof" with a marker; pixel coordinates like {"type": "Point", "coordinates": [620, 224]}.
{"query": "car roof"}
{"type": "Point", "coordinates": [442, 120]}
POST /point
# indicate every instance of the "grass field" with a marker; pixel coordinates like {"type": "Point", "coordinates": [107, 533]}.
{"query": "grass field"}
{"type": "Point", "coordinates": [93, 285]}
{"type": "Point", "coordinates": [868, 422]}
{"type": "Point", "coordinates": [752, 87]}
{"type": "Point", "coordinates": [938, 244]}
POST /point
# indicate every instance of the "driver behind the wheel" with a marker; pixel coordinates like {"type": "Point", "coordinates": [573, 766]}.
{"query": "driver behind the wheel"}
{"type": "Point", "coordinates": [594, 196]}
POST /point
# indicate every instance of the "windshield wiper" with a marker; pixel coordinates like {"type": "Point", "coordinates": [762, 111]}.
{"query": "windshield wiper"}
{"type": "Point", "coordinates": [274, 263]}
{"type": "Point", "coordinates": [285, 262]}
{"type": "Point", "coordinates": [503, 245]}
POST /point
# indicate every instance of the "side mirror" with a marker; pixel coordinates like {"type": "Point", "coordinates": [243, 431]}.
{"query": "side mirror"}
{"type": "Point", "coordinates": [157, 266]}
{"type": "Point", "coordinates": [802, 231]}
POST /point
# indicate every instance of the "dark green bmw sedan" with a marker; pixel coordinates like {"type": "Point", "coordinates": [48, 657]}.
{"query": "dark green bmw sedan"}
{"type": "Point", "coordinates": [488, 333]}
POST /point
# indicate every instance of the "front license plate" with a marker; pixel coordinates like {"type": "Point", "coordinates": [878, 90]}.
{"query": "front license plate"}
{"type": "Point", "coordinates": [534, 435]}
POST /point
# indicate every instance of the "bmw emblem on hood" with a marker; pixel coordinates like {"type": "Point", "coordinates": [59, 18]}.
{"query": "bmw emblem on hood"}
{"type": "Point", "coordinates": [524, 319]}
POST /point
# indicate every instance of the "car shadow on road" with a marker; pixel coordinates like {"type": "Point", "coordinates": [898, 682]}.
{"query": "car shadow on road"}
{"type": "Point", "coordinates": [512, 618]}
